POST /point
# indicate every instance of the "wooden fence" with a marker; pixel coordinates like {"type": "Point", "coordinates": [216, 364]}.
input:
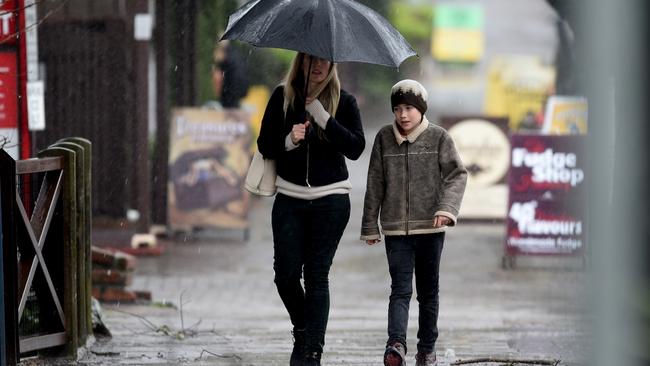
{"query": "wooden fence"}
{"type": "Point", "coordinates": [45, 210]}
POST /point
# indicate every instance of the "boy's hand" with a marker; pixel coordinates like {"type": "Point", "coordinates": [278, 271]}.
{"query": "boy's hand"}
{"type": "Point", "coordinates": [298, 132]}
{"type": "Point", "coordinates": [373, 241]}
{"type": "Point", "coordinates": [440, 221]}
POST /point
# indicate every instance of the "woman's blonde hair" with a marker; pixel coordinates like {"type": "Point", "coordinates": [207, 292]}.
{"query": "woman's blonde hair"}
{"type": "Point", "coordinates": [328, 92]}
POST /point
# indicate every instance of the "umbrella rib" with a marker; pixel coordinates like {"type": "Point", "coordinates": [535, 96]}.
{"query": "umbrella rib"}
{"type": "Point", "coordinates": [333, 25]}
{"type": "Point", "coordinates": [236, 18]}
{"type": "Point", "coordinates": [362, 11]}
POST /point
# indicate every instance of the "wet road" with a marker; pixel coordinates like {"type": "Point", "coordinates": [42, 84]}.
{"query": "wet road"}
{"type": "Point", "coordinates": [535, 311]}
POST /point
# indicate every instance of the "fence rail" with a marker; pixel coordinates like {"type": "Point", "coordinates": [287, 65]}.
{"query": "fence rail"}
{"type": "Point", "coordinates": [45, 203]}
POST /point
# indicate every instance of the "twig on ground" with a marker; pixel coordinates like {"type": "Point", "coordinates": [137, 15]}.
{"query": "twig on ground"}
{"type": "Point", "coordinates": [217, 355]}
{"type": "Point", "coordinates": [164, 329]}
{"type": "Point", "coordinates": [181, 311]}
{"type": "Point", "coordinates": [167, 330]}
{"type": "Point", "coordinates": [505, 361]}
{"type": "Point", "coordinates": [144, 320]}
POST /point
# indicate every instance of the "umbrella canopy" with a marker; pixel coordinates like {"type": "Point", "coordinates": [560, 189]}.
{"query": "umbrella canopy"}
{"type": "Point", "coordinates": [336, 30]}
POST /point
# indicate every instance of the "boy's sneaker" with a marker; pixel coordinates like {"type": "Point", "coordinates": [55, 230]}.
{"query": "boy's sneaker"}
{"type": "Point", "coordinates": [395, 355]}
{"type": "Point", "coordinates": [298, 345]}
{"type": "Point", "coordinates": [425, 359]}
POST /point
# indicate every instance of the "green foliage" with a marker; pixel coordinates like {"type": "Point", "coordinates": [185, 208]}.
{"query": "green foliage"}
{"type": "Point", "coordinates": [266, 66]}
{"type": "Point", "coordinates": [211, 23]}
{"type": "Point", "coordinates": [414, 21]}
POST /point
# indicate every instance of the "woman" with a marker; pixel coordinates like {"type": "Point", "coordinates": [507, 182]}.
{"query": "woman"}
{"type": "Point", "coordinates": [309, 137]}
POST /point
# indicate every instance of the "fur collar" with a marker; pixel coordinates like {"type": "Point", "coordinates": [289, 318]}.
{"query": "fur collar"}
{"type": "Point", "coordinates": [411, 137]}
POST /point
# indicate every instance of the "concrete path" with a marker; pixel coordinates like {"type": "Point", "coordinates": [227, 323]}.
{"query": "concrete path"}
{"type": "Point", "coordinates": [233, 316]}
{"type": "Point", "coordinates": [535, 311]}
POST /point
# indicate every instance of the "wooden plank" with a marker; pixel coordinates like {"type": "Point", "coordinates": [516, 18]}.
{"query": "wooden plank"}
{"type": "Point", "coordinates": [42, 342]}
{"type": "Point", "coordinates": [38, 165]}
{"type": "Point", "coordinates": [80, 238]}
{"type": "Point", "coordinates": [68, 195]}
{"type": "Point", "coordinates": [87, 183]}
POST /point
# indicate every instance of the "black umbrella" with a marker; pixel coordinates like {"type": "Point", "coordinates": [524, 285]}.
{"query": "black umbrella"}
{"type": "Point", "coordinates": [336, 30]}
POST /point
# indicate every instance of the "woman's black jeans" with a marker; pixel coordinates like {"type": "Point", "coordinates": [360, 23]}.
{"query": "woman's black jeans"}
{"type": "Point", "coordinates": [422, 253]}
{"type": "Point", "coordinates": [306, 234]}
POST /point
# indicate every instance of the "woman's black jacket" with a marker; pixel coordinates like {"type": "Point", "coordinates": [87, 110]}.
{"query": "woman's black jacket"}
{"type": "Point", "coordinates": [316, 161]}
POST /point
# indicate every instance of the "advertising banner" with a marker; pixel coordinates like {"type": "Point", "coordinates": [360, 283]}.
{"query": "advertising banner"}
{"type": "Point", "coordinates": [208, 158]}
{"type": "Point", "coordinates": [484, 148]}
{"type": "Point", "coordinates": [547, 195]}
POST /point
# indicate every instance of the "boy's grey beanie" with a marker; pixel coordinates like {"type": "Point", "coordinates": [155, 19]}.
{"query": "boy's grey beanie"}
{"type": "Point", "coordinates": [409, 92]}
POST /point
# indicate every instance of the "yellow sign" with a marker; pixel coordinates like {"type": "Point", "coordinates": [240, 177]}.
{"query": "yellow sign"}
{"type": "Point", "coordinates": [565, 115]}
{"type": "Point", "coordinates": [457, 45]}
{"type": "Point", "coordinates": [255, 101]}
{"type": "Point", "coordinates": [518, 87]}
{"type": "Point", "coordinates": [457, 32]}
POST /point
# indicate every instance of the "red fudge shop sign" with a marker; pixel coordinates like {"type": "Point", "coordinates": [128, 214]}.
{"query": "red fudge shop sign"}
{"type": "Point", "coordinates": [546, 210]}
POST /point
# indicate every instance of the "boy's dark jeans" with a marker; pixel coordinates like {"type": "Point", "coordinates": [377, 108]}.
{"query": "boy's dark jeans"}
{"type": "Point", "coordinates": [406, 253]}
{"type": "Point", "coordinates": [306, 234]}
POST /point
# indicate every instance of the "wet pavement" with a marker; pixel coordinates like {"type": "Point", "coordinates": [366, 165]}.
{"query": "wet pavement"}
{"type": "Point", "coordinates": [232, 314]}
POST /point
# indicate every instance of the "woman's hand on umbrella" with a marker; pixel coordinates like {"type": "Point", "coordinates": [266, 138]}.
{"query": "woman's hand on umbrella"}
{"type": "Point", "coordinates": [298, 132]}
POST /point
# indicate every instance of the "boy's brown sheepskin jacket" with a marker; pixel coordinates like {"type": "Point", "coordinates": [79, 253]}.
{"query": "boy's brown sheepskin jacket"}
{"type": "Point", "coordinates": [410, 180]}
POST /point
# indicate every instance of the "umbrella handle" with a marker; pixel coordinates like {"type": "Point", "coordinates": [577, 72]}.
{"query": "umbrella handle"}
{"type": "Point", "coordinates": [307, 84]}
{"type": "Point", "coordinates": [304, 112]}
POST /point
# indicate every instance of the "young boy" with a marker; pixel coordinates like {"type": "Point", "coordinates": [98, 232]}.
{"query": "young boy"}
{"type": "Point", "coordinates": [416, 182]}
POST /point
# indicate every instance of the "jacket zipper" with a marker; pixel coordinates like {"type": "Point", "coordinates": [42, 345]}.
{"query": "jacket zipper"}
{"type": "Point", "coordinates": [408, 188]}
{"type": "Point", "coordinates": [307, 173]}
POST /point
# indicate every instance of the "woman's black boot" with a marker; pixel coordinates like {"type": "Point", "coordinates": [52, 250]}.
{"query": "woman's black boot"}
{"type": "Point", "coordinates": [311, 359]}
{"type": "Point", "coordinates": [298, 347]}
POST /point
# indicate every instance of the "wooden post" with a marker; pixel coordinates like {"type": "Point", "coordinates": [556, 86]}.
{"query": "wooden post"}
{"type": "Point", "coordinates": [142, 165]}
{"type": "Point", "coordinates": [161, 152]}
{"type": "Point", "coordinates": [8, 265]}
{"type": "Point", "coordinates": [87, 238]}
{"type": "Point", "coordinates": [185, 45]}
{"type": "Point", "coordinates": [78, 180]}
{"type": "Point", "coordinates": [70, 251]}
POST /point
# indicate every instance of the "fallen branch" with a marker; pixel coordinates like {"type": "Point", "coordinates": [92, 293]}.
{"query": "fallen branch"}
{"type": "Point", "coordinates": [107, 353]}
{"type": "Point", "coordinates": [217, 355]}
{"type": "Point", "coordinates": [506, 361]}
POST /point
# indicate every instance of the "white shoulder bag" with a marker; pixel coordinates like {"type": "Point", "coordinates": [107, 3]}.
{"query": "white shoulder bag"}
{"type": "Point", "coordinates": [260, 178]}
